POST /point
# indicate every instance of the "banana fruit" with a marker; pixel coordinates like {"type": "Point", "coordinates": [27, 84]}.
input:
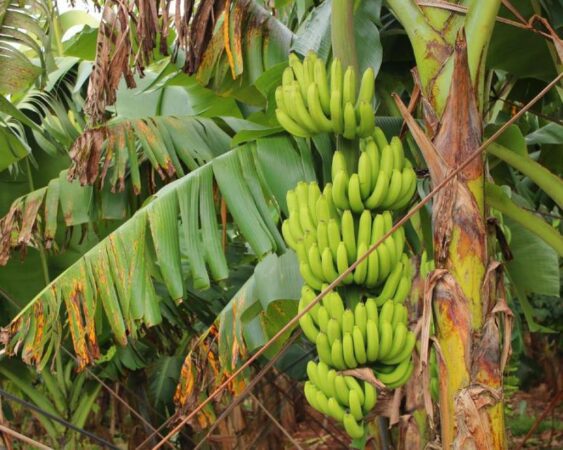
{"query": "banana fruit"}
{"type": "Point", "coordinates": [315, 99]}
{"type": "Point", "coordinates": [385, 179]}
{"type": "Point", "coordinates": [341, 397]}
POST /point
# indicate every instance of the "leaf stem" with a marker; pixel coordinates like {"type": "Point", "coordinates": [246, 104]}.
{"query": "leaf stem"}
{"type": "Point", "coordinates": [550, 183]}
{"type": "Point", "coordinates": [342, 33]}
{"type": "Point", "coordinates": [497, 199]}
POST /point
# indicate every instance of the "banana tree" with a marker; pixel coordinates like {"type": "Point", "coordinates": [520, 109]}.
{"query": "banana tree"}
{"type": "Point", "coordinates": [189, 192]}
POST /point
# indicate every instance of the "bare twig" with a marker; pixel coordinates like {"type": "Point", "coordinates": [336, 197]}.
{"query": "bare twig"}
{"type": "Point", "coordinates": [21, 437]}
{"type": "Point", "coordinates": [276, 423]}
{"type": "Point", "coordinates": [551, 405]}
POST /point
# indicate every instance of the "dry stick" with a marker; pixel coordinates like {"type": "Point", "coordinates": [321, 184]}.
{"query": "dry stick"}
{"type": "Point", "coordinates": [373, 247]}
{"type": "Point", "coordinates": [21, 437]}
{"type": "Point", "coordinates": [551, 405]}
{"type": "Point", "coordinates": [276, 423]}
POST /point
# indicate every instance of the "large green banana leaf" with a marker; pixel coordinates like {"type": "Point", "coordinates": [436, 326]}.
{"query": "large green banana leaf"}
{"type": "Point", "coordinates": [116, 279]}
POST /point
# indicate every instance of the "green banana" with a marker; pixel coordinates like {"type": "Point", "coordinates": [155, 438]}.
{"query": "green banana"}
{"type": "Point", "coordinates": [322, 402]}
{"type": "Point", "coordinates": [316, 109]}
{"type": "Point", "coordinates": [315, 262]}
{"type": "Point", "coordinates": [313, 197]}
{"type": "Point", "coordinates": [308, 327]}
{"type": "Point", "coordinates": [372, 338]}
{"type": "Point", "coordinates": [354, 385]}
{"type": "Point", "coordinates": [290, 125]}
{"type": "Point", "coordinates": [297, 66]}
{"type": "Point", "coordinates": [396, 374]}
{"type": "Point", "coordinates": [334, 237]}
{"type": "Point", "coordinates": [333, 331]}
{"type": "Point", "coordinates": [403, 289]}
{"type": "Point", "coordinates": [399, 340]}
{"type": "Point", "coordinates": [349, 86]}
{"type": "Point", "coordinates": [355, 194]}
{"type": "Point", "coordinates": [361, 317]}
{"type": "Point", "coordinates": [335, 410]}
{"type": "Point", "coordinates": [373, 154]}
{"type": "Point", "coordinates": [404, 378]}
{"type": "Point", "coordinates": [365, 175]}
{"type": "Point", "coordinates": [287, 236]}
{"type": "Point", "coordinates": [287, 76]}
{"type": "Point", "coordinates": [342, 262]}
{"type": "Point", "coordinates": [386, 161]}
{"type": "Point", "coordinates": [384, 261]}
{"type": "Point", "coordinates": [370, 397]}
{"type": "Point", "coordinates": [323, 348]}
{"type": "Point", "coordinates": [349, 235]}
{"type": "Point", "coordinates": [323, 210]}
{"type": "Point", "coordinates": [379, 191]}
{"type": "Point", "coordinates": [367, 119]}
{"type": "Point", "coordinates": [353, 428]}
{"type": "Point", "coordinates": [348, 351]}
{"type": "Point", "coordinates": [367, 86]}
{"type": "Point", "coordinates": [323, 318]}
{"type": "Point", "coordinates": [342, 390]}
{"type": "Point", "coordinates": [349, 121]}
{"type": "Point", "coordinates": [312, 372]}
{"type": "Point", "coordinates": [340, 190]}
{"type": "Point", "coordinates": [348, 321]}
{"type": "Point", "coordinates": [359, 345]}
{"type": "Point", "coordinates": [386, 312]}
{"type": "Point", "coordinates": [371, 309]}
{"type": "Point", "coordinates": [336, 112]}
{"type": "Point", "coordinates": [355, 406]}
{"type": "Point", "coordinates": [385, 339]}
{"type": "Point", "coordinates": [322, 236]}
{"type": "Point", "coordinates": [372, 277]}
{"type": "Point", "coordinates": [361, 270]}
{"type": "Point", "coordinates": [307, 296]}
{"type": "Point", "coordinates": [322, 377]}
{"type": "Point", "coordinates": [311, 394]}
{"type": "Point", "coordinates": [394, 189]}
{"type": "Point", "coordinates": [398, 153]}
{"type": "Point", "coordinates": [337, 355]}
{"type": "Point", "coordinates": [364, 228]}
{"type": "Point", "coordinates": [406, 352]}
{"type": "Point", "coordinates": [327, 192]}
{"type": "Point", "coordinates": [308, 276]}
{"type": "Point", "coordinates": [297, 97]}
{"type": "Point", "coordinates": [322, 84]}
{"type": "Point", "coordinates": [391, 284]}
{"type": "Point", "coordinates": [331, 376]}
{"type": "Point", "coordinates": [336, 309]}
{"type": "Point", "coordinates": [329, 272]}
{"type": "Point", "coordinates": [379, 138]}
{"type": "Point", "coordinates": [336, 79]}
{"type": "Point", "coordinates": [400, 315]}
{"type": "Point", "coordinates": [338, 164]}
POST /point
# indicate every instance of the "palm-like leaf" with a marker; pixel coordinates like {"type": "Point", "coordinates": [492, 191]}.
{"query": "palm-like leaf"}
{"type": "Point", "coordinates": [147, 248]}
{"type": "Point", "coordinates": [23, 26]}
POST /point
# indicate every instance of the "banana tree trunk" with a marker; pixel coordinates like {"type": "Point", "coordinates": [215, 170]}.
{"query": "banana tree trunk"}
{"type": "Point", "coordinates": [450, 50]}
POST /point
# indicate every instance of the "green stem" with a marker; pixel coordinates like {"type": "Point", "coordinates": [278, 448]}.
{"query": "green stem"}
{"type": "Point", "coordinates": [342, 33]}
{"type": "Point", "coordinates": [42, 255]}
{"type": "Point", "coordinates": [479, 24]}
{"type": "Point", "coordinates": [550, 183]}
{"type": "Point", "coordinates": [427, 43]}
{"type": "Point", "coordinates": [497, 199]}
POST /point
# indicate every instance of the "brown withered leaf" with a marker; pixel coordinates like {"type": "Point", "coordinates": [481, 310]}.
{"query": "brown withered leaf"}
{"type": "Point", "coordinates": [85, 154]}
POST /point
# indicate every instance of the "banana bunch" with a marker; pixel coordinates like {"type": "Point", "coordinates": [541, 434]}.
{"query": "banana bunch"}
{"type": "Point", "coordinates": [310, 102]}
{"type": "Point", "coordinates": [384, 179]}
{"type": "Point", "coordinates": [341, 397]}
{"type": "Point", "coordinates": [328, 242]}
{"type": "Point", "coordinates": [348, 337]}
